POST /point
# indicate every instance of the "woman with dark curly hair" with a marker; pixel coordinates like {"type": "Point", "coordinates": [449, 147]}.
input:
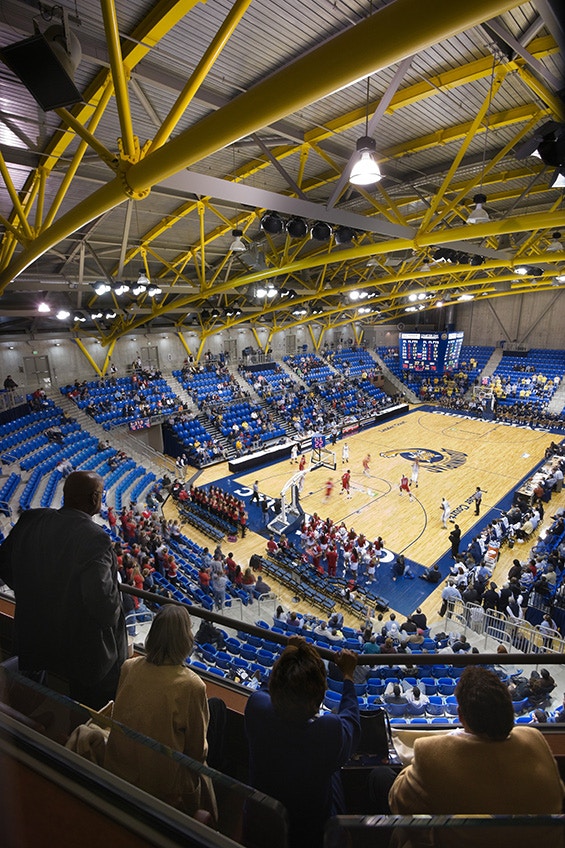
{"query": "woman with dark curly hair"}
{"type": "Point", "coordinates": [295, 754]}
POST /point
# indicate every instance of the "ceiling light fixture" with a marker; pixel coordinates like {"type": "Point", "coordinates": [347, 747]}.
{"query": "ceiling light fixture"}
{"type": "Point", "coordinates": [153, 290]}
{"type": "Point", "coordinates": [479, 214]}
{"type": "Point", "coordinates": [78, 316]}
{"type": "Point", "coordinates": [121, 288]}
{"type": "Point", "coordinates": [344, 235]}
{"type": "Point", "coordinates": [558, 179]}
{"type": "Point", "coordinates": [110, 315]}
{"type": "Point", "coordinates": [63, 314]}
{"type": "Point", "coordinates": [44, 307]}
{"type": "Point", "coordinates": [296, 227]}
{"type": "Point", "coordinates": [365, 169]}
{"type": "Point", "coordinates": [465, 297]}
{"type": "Point", "coordinates": [272, 223]}
{"type": "Point", "coordinates": [321, 231]}
{"type": "Point", "coordinates": [237, 245]}
{"type": "Point", "coordinates": [555, 245]}
{"type": "Point", "coordinates": [100, 288]}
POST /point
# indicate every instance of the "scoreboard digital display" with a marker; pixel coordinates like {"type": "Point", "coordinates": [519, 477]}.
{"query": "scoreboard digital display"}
{"type": "Point", "coordinates": [430, 353]}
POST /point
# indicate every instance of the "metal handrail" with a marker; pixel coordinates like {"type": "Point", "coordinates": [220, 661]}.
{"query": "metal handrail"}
{"type": "Point", "coordinates": [362, 659]}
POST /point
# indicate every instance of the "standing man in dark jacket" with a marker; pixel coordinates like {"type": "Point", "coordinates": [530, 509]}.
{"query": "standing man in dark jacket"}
{"type": "Point", "coordinates": [69, 618]}
{"type": "Point", "coordinates": [455, 538]}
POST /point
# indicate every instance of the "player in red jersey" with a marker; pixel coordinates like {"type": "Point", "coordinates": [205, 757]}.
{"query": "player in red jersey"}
{"type": "Point", "coordinates": [345, 483]}
{"type": "Point", "coordinates": [328, 489]}
{"type": "Point", "coordinates": [405, 486]}
{"type": "Point", "coordinates": [302, 463]}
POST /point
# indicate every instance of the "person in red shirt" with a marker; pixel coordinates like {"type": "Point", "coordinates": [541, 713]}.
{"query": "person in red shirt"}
{"type": "Point", "coordinates": [331, 557]}
{"type": "Point", "coordinates": [405, 486]}
{"type": "Point", "coordinates": [272, 545]}
{"type": "Point", "coordinates": [345, 483]}
{"type": "Point", "coordinates": [328, 489]}
{"type": "Point", "coordinates": [302, 463]}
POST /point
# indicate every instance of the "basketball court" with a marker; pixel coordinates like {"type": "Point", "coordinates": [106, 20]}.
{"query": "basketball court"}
{"type": "Point", "coordinates": [456, 454]}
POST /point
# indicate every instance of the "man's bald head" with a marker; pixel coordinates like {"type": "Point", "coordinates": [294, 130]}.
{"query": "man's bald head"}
{"type": "Point", "coordinates": [83, 490]}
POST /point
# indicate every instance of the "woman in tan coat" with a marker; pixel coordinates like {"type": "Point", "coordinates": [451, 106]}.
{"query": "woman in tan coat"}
{"type": "Point", "coordinates": [159, 697]}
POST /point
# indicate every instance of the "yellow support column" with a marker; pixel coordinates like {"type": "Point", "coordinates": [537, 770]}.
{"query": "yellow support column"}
{"type": "Point", "coordinates": [315, 342]}
{"type": "Point", "coordinates": [257, 339]}
{"type": "Point", "coordinates": [184, 343]}
{"type": "Point", "coordinates": [109, 353]}
{"type": "Point", "coordinates": [88, 357]}
{"type": "Point", "coordinates": [201, 346]}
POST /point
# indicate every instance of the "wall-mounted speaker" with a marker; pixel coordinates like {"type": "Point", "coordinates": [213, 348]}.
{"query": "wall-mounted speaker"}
{"type": "Point", "coordinates": [39, 62]}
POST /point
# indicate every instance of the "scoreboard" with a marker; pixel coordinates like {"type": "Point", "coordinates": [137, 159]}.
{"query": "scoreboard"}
{"type": "Point", "coordinates": [430, 353]}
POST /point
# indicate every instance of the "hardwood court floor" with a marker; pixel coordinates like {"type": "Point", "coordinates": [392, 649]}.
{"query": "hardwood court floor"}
{"type": "Point", "coordinates": [457, 454]}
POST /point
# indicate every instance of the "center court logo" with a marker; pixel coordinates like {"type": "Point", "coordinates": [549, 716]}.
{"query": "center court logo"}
{"type": "Point", "coordinates": [430, 460]}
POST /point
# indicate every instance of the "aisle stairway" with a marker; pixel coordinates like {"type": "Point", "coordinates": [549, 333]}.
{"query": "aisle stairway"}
{"type": "Point", "coordinates": [396, 385]}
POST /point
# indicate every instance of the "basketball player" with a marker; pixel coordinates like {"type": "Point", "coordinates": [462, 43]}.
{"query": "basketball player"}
{"type": "Point", "coordinates": [344, 453]}
{"type": "Point", "coordinates": [405, 487]}
{"type": "Point", "coordinates": [415, 472]}
{"type": "Point", "coordinates": [445, 510]}
{"type": "Point", "coordinates": [302, 463]}
{"type": "Point", "coordinates": [294, 454]}
{"type": "Point", "coordinates": [345, 483]}
{"type": "Point", "coordinates": [366, 463]}
{"type": "Point", "coordinates": [328, 489]}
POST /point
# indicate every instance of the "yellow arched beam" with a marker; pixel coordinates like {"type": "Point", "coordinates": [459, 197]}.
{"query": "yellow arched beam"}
{"type": "Point", "coordinates": [360, 253]}
{"type": "Point", "coordinates": [379, 41]}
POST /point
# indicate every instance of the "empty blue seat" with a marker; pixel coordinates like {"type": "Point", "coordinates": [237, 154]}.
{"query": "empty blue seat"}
{"type": "Point", "coordinates": [451, 707]}
{"type": "Point", "coordinates": [435, 707]}
{"type": "Point", "coordinates": [446, 686]}
{"type": "Point", "coordinates": [266, 658]}
{"type": "Point", "coordinates": [375, 686]}
{"type": "Point", "coordinates": [396, 710]}
{"type": "Point", "coordinates": [430, 684]}
{"type": "Point", "coordinates": [416, 709]}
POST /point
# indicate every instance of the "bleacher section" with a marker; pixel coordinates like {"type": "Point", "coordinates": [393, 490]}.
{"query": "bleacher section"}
{"type": "Point", "coordinates": [249, 423]}
{"type": "Point", "coordinates": [211, 385]}
{"type": "Point", "coordinates": [184, 433]}
{"type": "Point", "coordinates": [123, 400]}
{"type": "Point", "coordinates": [338, 396]}
{"type": "Point", "coordinates": [352, 362]}
{"type": "Point", "coordinates": [472, 361]}
{"type": "Point", "coordinates": [528, 382]}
